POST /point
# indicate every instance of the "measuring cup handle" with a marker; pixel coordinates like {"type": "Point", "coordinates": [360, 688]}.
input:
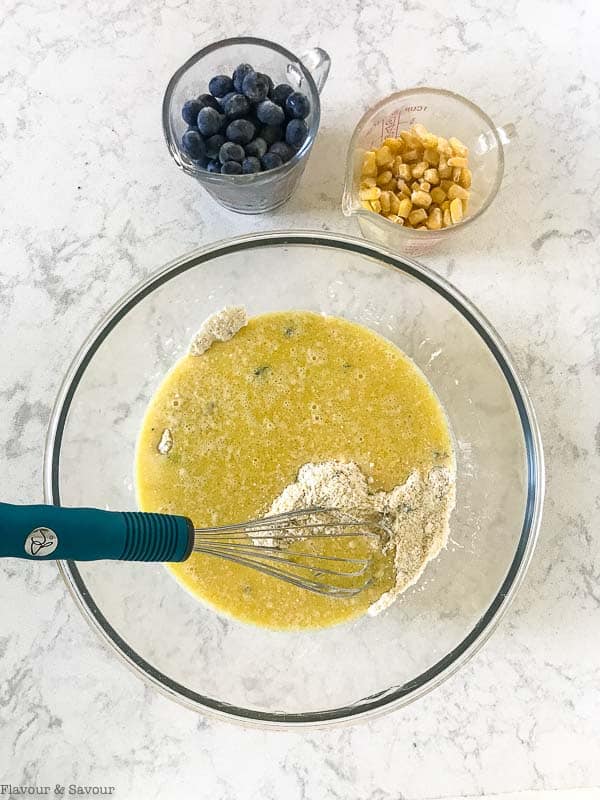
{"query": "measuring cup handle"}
{"type": "Point", "coordinates": [318, 63]}
{"type": "Point", "coordinates": [487, 141]}
{"type": "Point", "coordinates": [507, 132]}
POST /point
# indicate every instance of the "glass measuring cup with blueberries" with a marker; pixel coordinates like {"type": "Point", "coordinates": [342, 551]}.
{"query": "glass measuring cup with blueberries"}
{"type": "Point", "coordinates": [241, 117]}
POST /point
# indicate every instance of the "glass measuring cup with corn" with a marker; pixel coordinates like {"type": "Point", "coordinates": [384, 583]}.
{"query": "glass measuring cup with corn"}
{"type": "Point", "coordinates": [421, 164]}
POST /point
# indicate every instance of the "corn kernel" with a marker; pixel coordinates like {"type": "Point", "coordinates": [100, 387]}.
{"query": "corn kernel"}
{"type": "Point", "coordinates": [411, 155]}
{"type": "Point", "coordinates": [421, 228]}
{"type": "Point", "coordinates": [404, 207]}
{"type": "Point", "coordinates": [456, 174]}
{"type": "Point", "coordinates": [370, 194]}
{"type": "Point", "coordinates": [465, 206]}
{"type": "Point", "coordinates": [458, 148]}
{"type": "Point", "coordinates": [431, 155]}
{"type": "Point", "coordinates": [417, 216]}
{"type": "Point", "coordinates": [394, 203]}
{"type": "Point", "coordinates": [446, 218]}
{"type": "Point", "coordinates": [415, 186]}
{"type": "Point", "coordinates": [457, 191]}
{"type": "Point", "coordinates": [434, 220]}
{"type": "Point", "coordinates": [456, 211]}
{"type": "Point", "coordinates": [393, 145]}
{"type": "Point", "coordinates": [438, 195]}
{"type": "Point", "coordinates": [443, 146]}
{"type": "Point", "coordinates": [445, 206]}
{"type": "Point", "coordinates": [421, 199]}
{"type": "Point", "coordinates": [384, 177]}
{"type": "Point", "coordinates": [419, 169]}
{"type": "Point", "coordinates": [431, 176]}
{"type": "Point", "coordinates": [445, 184]}
{"type": "Point", "coordinates": [404, 172]}
{"type": "Point", "coordinates": [376, 206]}
{"type": "Point", "coordinates": [383, 156]}
{"type": "Point", "coordinates": [367, 183]}
{"type": "Point", "coordinates": [410, 141]}
{"type": "Point", "coordinates": [465, 178]}
{"type": "Point", "coordinates": [385, 202]}
{"type": "Point", "coordinates": [366, 204]}
{"type": "Point", "coordinates": [445, 172]}
{"type": "Point", "coordinates": [457, 161]}
{"type": "Point", "coordinates": [424, 186]}
{"type": "Point", "coordinates": [430, 140]}
{"type": "Point", "coordinates": [418, 130]}
{"type": "Point", "coordinates": [403, 187]}
{"type": "Point", "coordinates": [369, 165]}
{"type": "Point", "coordinates": [395, 219]}
{"type": "Point", "coordinates": [397, 163]}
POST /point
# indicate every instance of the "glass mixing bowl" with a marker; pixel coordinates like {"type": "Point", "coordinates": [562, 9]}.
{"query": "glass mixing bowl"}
{"type": "Point", "coordinates": [211, 663]}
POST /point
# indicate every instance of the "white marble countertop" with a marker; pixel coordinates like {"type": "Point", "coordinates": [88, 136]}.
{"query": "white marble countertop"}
{"type": "Point", "coordinates": [91, 203]}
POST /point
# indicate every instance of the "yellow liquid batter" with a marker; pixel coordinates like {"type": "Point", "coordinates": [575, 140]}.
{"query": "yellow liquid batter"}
{"type": "Point", "coordinates": [289, 388]}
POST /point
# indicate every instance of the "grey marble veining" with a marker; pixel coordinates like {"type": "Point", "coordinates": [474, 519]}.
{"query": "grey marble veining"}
{"type": "Point", "coordinates": [90, 203]}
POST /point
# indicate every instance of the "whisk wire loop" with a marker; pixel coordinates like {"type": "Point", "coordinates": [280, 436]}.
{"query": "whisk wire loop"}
{"type": "Point", "coordinates": [264, 545]}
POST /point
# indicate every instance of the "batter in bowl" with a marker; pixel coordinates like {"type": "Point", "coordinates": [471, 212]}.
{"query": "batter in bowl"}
{"type": "Point", "coordinates": [257, 408]}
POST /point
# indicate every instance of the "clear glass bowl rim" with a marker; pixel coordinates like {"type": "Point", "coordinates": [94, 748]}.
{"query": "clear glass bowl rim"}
{"type": "Point", "coordinates": [209, 177]}
{"type": "Point", "coordinates": [350, 209]}
{"type": "Point", "coordinates": [459, 655]}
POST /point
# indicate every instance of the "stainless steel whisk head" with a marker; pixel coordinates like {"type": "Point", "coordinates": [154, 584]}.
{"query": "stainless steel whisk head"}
{"type": "Point", "coordinates": [264, 545]}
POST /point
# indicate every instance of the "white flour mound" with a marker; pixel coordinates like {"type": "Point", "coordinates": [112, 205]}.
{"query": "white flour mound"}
{"type": "Point", "coordinates": [219, 327]}
{"type": "Point", "coordinates": [417, 512]}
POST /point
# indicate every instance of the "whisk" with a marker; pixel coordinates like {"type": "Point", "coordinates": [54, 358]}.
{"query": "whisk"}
{"type": "Point", "coordinates": [267, 545]}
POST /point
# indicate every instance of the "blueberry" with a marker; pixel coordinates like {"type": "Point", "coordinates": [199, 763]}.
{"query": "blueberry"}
{"type": "Point", "coordinates": [250, 165]}
{"type": "Point", "coordinates": [236, 106]}
{"type": "Point", "coordinates": [257, 147]}
{"type": "Point", "coordinates": [296, 132]}
{"type": "Point", "coordinates": [240, 131]}
{"type": "Point", "coordinates": [255, 86]}
{"type": "Point", "coordinates": [231, 151]}
{"type": "Point", "coordinates": [225, 99]}
{"type": "Point", "coordinates": [251, 117]}
{"type": "Point", "coordinates": [280, 92]}
{"type": "Point", "coordinates": [193, 144]}
{"type": "Point", "coordinates": [190, 111]}
{"type": "Point", "coordinates": [213, 166]}
{"type": "Point", "coordinates": [269, 82]}
{"type": "Point", "coordinates": [239, 74]}
{"type": "Point", "coordinates": [209, 121]}
{"type": "Point", "coordinates": [281, 149]}
{"type": "Point", "coordinates": [297, 105]}
{"type": "Point", "coordinates": [271, 133]}
{"type": "Point", "coordinates": [271, 160]}
{"type": "Point", "coordinates": [208, 101]}
{"type": "Point", "coordinates": [214, 144]}
{"type": "Point", "coordinates": [220, 85]}
{"type": "Point", "coordinates": [231, 168]}
{"type": "Point", "coordinates": [201, 162]}
{"type": "Point", "coordinates": [269, 113]}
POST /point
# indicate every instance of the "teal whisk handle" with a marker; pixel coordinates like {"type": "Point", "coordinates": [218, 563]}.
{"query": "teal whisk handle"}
{"type": "Point", "coordinates": [88, 534]}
